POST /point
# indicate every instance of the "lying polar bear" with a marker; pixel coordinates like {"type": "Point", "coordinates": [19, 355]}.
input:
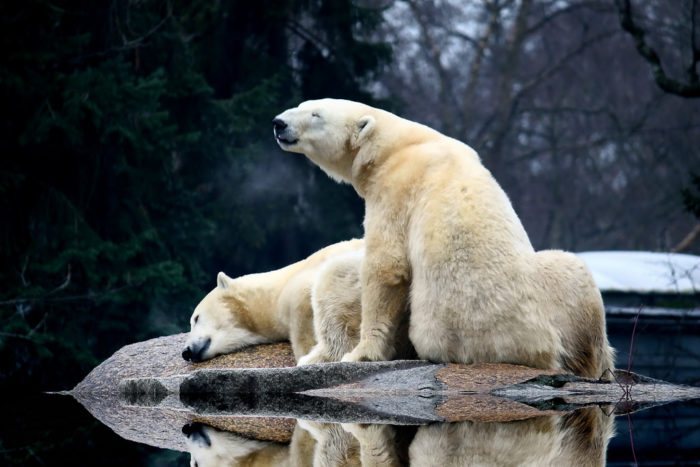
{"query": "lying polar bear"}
{"type": "Point", "coordinates": [276, 305]}
{"type": "Point", "coordinates": [441, 234]}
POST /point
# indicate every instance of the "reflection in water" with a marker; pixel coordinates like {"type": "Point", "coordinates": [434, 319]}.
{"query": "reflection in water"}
{"type": "Point", "coordinates": [209, 446]}
{"type": "Point", "coordinates": [578, 438]}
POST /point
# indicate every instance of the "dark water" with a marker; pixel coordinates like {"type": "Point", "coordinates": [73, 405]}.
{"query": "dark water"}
{"type": "Point", "coordinates": [666, 435]}
{"type": "Point", "coordinates": [56, 430]}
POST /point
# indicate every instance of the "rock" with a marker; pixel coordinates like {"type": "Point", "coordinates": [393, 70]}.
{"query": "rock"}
{"type": "Point", "coordinates": [146, 392]}
{"type": "Point", "coordinates": [159, 358]}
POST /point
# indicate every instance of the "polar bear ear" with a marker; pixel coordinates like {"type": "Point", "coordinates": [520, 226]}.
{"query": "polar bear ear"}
{"type": "Point", "coordinates": [222, 280]}
{"type": "Point", "coordinates": [363, 129]}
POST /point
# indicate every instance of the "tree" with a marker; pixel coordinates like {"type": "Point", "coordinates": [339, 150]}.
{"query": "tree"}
{"type": "Point", "coordinates": [588, 150]}
{"type": "Point", "coordinates": [137, 163]}
{"type": "Point", "coordinates": [684, 22]}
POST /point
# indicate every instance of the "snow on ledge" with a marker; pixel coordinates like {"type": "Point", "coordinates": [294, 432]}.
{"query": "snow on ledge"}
{"type": "Point", "coordinates": [643, 271]}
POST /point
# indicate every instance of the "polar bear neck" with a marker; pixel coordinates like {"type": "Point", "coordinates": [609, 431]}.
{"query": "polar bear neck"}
{"type": "Point", "coordinates": [339, 170]}
{"type": "Point", "coordinates": [393, 133]}
{"type": "Point", "coordinates": [257, 295]}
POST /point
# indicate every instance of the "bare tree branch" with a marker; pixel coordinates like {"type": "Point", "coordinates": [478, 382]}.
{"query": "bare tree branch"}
{"type": "Point", "coordinates": [552, 69]}
{"type": "Point", "coordinates": [529, 155]}
{"type": "Point", "coordinates": [694, 45]}
{"type": "Point", "coordinates": [475, 68]}
{"type": "Point", "coordinates": [505, 105]}
{"type": "Point", "coordinates": [687, 240]}
{"type": "Point", "coordinates": [591, 5]}
{"type": "Point", "coordinates": [63, 285]}
{"type": "Point", "coordinates": [23, 271]}
{"type": "Point", "coordinates": [69, 298]}
{"type": "Point", "coordinates": [433, 51]}
{"type": "Point", "coordinates": [668, 84]}
{"type": "Point", "coordinates": [15, 335]}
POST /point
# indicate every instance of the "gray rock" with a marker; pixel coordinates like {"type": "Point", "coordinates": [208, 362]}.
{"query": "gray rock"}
{"type": "Point", "coordinates": [146, 392]}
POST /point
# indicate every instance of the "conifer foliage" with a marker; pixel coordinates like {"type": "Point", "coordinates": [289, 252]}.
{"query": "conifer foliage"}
{"type": "Point", "coordinates": [137, 160]}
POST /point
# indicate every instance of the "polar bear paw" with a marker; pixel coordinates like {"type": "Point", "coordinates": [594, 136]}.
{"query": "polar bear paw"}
{"type": "Point", "coordinates": [366, 352]}
{"type": "Point", "coordinates": [317, 355]}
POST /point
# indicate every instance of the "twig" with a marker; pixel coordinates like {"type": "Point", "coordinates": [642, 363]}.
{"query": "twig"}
{"type": "Point", "coordinates": [23, 271]}
{"type": "Point", "coordinates": [15, 335]}
{"type": "Point", "coordinates": [670, 85]}
{"type": "Point", "coordinates": [629, 368]}
{"type": "Point", "coordinates": [65, 283]}
{"type": "Point", "coordinates": [634, 330]}
{"type": "Point", "coordinates": [87, 296]}
{"type": "Point", "coordinates": [38, 325]}
{"type": "Point", "coordinates": [687, 240]}
{"type": "Point", "coordinates": [629, 425]}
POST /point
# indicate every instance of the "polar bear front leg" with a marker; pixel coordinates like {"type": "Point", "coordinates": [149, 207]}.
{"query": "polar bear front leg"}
{"type": "Point", "coordinates": [377, 444]}
{"type": "Point", "coordinates": [385, 288]}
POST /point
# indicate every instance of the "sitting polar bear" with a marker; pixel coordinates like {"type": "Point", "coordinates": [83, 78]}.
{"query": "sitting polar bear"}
{"type": "Point", "coordinates": [276, 305]}
{"type": "Point", "coordinates": [441, 234]}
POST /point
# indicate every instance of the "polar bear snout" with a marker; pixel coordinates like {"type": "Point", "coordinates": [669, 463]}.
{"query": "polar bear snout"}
{"type": "Point", "coordinates": [195, 432]}
{"type": "Point", "coordinates": [282, 132]}
{"type": "Point", "coordinates": [195, 351]}
{"type": "Point", "coordinates": [278, 125]}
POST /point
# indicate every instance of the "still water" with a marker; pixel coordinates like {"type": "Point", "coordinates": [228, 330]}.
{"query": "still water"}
{"type": "Point", "coordinates": [57, 430]}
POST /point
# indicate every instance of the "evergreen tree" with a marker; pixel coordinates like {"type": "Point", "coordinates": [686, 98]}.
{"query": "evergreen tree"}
{"type": "Point", "coordinates": [138, 160]}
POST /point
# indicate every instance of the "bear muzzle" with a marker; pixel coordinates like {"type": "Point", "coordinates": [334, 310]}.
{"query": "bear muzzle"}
{"type": "Point", "coordinates": [194, 352]}
{"type": "Point", "coordinates": [282, 132]}
{"type": "Point", "coordinates": [195, 432]}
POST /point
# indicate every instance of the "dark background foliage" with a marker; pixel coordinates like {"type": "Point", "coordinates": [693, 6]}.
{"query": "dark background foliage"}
{"type": "Point", "coordinates": [138, 161]}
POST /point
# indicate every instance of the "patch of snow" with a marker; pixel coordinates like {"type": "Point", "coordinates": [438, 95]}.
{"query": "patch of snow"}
{"type": "Point", "coordinates": [643, 271]}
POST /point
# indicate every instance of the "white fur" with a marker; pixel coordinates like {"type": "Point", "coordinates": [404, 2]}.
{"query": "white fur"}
{"type": "Point", "coordinates": [334, 446]}
{"type": "Point", "coordinates": [272, 306]}
{"type": "Point", "coordinates": [576, 439]}
{"type": "Point", "coordinates": [441, 234]}
{"type": "Point", "coordinates": [225, 449]}
{"type": "Point", "coordinates": [335, 298]}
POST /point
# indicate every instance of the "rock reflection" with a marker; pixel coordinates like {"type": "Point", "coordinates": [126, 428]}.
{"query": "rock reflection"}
{"type": "Point", "coordinates": [578, 438]}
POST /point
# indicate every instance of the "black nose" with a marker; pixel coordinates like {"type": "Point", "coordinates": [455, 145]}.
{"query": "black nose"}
{"type": "Point", "coordinates": [187, 354]}
{"type": "Point", "coordinates": [192, 427]}
{"type": "Point", "coordinates": [278, 124]}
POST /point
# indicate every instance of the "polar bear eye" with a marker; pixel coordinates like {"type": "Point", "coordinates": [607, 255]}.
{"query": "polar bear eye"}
{"type": "Point", "coordinates": [315, 115]}
{"type": "Point", "coordinates": [196, 318]}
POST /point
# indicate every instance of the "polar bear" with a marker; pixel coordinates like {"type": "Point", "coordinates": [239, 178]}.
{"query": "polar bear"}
{"type": "Point", "coordinates": [209, 446]}
{"type": "Point", "coordinates": [441, 234]}
{"type": "Point", "coordinates": [276, 305]}
{"type": "Point", "coordinates": [335, 300]}
{"type": "Point", "coordinates": [577, 438]}
{"type": "Point", "coordinates": [312, 444]}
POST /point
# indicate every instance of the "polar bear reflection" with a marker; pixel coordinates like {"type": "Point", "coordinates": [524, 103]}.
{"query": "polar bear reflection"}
{"type": "Point", "coordinates": [211, 447]}
{"type": "Point", "coordinates": [579, 438]}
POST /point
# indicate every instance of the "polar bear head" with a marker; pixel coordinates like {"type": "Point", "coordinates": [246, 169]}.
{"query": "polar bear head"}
{"type": "Point", "coordinates": [211, 447]}
{"type": "Point", "coordinates": [330, 132]}
{"type": "Point", "coordinates": [220, 323]}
